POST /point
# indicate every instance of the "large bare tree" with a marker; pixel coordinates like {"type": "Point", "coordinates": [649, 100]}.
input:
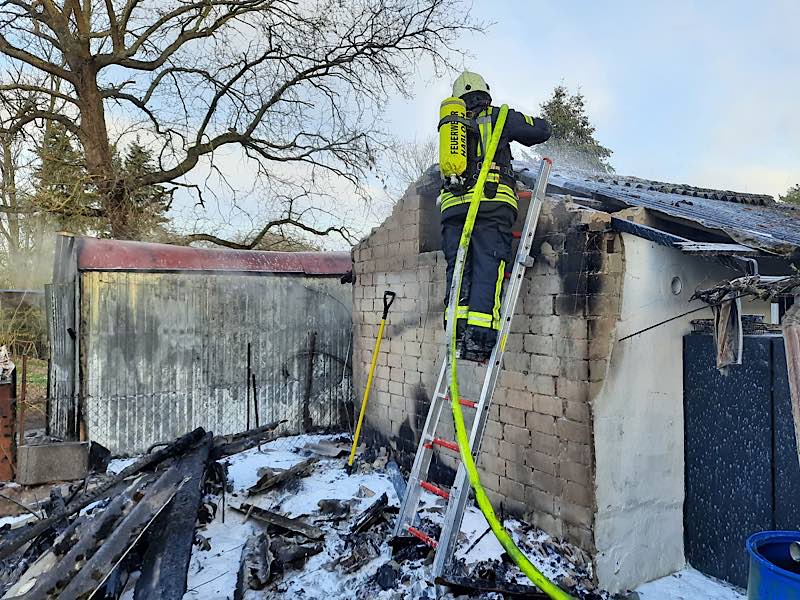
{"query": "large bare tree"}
{"type": "Point", "coordinates": [286, 81]}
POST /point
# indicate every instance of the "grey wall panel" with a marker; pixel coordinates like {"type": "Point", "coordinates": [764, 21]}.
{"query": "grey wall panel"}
{"type": "Point", "coordinates": [62, 331]}
{"type": "Point", "coordinates": [167, 352]}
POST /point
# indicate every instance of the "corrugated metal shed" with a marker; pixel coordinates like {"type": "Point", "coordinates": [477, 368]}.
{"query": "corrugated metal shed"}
{"type": "Point", "coordinates": [164, 350]}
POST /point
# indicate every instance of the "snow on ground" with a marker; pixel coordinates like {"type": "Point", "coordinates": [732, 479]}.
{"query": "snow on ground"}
{"type": "Point", "coordinates": [14, 519]}
{"type": "Point", "coordinates": [689, 585]}
{"type": "Point", "coordinates": [213, 572]}
{"type": "Point", "coordinates": [116, 465]}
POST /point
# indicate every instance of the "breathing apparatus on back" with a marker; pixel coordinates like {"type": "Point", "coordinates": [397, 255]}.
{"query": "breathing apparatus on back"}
{"type": "Point", "coordinates": [455, 122]}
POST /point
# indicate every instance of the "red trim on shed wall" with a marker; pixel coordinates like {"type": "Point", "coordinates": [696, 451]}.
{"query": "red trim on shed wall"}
{"type": "Point", "coordinates": [119, 255]}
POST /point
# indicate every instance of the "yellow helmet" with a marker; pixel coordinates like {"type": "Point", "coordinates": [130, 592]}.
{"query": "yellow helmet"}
{"type": "Point", "coordinates": [469, 82]}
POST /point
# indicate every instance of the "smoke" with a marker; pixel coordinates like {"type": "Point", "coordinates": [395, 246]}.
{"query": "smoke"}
{"type": "Point", "coordinates": [30, 265]}
{"type": "Point", "coordinates": [567, 156]}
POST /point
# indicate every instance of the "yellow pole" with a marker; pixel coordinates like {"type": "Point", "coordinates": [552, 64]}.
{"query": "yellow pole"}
{"type": "Point", "coordinates": [388, 298]}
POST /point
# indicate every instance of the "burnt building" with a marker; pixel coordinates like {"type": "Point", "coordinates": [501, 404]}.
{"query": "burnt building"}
{"type": "Point", "coordinates": [600, 427]}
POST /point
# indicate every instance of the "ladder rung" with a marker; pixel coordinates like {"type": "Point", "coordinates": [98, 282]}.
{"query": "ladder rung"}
{"type": "Point", "coordinates": [463, 402]}
{"type": "Point", "coordinates": [434, 489]}
{"type": "Point", "coordinates": [443, 443]}
{"type": "Point", "coordinates": [421, 535]}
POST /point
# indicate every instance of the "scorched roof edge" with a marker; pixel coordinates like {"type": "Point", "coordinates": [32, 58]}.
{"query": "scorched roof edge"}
{"type": "Point", "coordinates": [122, 255]}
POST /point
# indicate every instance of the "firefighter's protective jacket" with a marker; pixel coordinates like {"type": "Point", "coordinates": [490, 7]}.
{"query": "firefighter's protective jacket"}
{"type": "Point", "coordinates": [519, 128]}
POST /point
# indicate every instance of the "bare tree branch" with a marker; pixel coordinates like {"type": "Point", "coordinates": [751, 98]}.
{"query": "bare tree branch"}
{"type": "Point", "coordinates": [287, 83]}
{"type": "Point", "coordinates": [256, 240]}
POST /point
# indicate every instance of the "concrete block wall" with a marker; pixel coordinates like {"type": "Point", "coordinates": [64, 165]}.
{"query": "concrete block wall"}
{"type": "Point", "coordinates": [537, 455]}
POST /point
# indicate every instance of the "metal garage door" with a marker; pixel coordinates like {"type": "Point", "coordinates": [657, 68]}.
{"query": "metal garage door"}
{"type": "Point", "coordinates": [742, 473]}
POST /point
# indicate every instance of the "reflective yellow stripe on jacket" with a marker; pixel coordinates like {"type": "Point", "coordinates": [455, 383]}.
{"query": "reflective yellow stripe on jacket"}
{"type": "Point", "coordinates": [504, 194]}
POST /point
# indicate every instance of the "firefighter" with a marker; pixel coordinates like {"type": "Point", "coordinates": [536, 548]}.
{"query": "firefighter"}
{"type": "Point", "coordinates": [478, 310]}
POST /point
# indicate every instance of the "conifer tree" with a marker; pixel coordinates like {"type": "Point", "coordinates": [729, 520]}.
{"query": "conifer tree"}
{"type": "Point", "coordinates": [573, 142]}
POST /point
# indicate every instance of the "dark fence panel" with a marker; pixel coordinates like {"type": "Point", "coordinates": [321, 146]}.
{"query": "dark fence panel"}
{"type": "Point", "coordinates": [742, 472]}
{"type": "Point", "coordinates": [728, 426]}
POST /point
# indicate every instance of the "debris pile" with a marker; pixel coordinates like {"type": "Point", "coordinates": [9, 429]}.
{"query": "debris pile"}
{"type": "Point", "coordinates": [108, 528]}
{"type": "Point", "coordinates": [253, 516]}
{"type": "Point", "coordinates": [356, 556]}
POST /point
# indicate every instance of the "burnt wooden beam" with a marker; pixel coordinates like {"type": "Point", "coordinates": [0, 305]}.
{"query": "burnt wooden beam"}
{"type": "Point", "coordinates": [371, 515]}
{"type": "Point", "coordinates": [222, 440]}
{"type": "Point", "coordinates": [295, 525]}
{"type": "Point", "coordinates": [23, 535]}
{"type": "Point", "coordinates": [124, 537]}
{"type": "Point", "coordinates": [270, 480]}
{"type": "Point", "coordinates": [226, 446]}
{"type": "Point", "coordinates": [791, 340]}
{"type": "Point", "coordinates": [481, 586]}
{"type": "Point", "coordinates": [255, 566]}
{"type": "Point", "coordinates": [75, 547]}
{"type": "Point", "coordinates": [646, 232]}
{"type": "Point", "coordinates": [169, 550]}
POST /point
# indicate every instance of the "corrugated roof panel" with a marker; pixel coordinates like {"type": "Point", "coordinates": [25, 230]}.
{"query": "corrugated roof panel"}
{"type": "Point", "coordinates": [754, 220]}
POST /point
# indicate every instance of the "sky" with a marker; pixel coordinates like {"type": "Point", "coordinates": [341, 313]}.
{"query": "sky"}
{"type": "Point", "coordinates": [704, 93]}
{"type": "Point", "coordinates": [697, 92]}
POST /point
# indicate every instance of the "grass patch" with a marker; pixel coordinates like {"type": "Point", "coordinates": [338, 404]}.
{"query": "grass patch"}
{"type": "Point", "coordinates": [37, 378]}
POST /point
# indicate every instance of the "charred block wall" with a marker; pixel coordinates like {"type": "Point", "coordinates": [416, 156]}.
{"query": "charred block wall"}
{"type": "Point", "coordinates": [537, 455]}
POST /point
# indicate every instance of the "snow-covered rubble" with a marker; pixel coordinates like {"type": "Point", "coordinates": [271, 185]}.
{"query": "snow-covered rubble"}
{"type": "Point", "coordinates": [330, 561]}
{"type": "Point", "coordinates": [213, 572]}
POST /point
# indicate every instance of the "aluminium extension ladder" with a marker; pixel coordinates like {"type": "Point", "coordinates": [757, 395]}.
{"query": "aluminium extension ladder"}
{"type": "Point", "coordinates": [429, 442]}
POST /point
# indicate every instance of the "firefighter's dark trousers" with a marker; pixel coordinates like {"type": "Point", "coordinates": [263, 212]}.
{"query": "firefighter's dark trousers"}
{"type": "Point", "coordinates": [489, 252]}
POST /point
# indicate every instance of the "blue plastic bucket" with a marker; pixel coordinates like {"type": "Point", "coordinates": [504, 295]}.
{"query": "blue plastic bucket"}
{"type": "Point", "coordinates": [773, 573]}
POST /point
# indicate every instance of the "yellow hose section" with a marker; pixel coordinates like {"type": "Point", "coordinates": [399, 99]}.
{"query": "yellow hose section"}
{"type": "Point", "coordinates": [525, 565]}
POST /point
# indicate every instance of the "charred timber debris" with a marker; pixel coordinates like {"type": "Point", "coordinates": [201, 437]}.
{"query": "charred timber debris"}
{"type": "Point", "coordinates": [145, 520]}
{"type": "Point", "coordinates": [142, 519]}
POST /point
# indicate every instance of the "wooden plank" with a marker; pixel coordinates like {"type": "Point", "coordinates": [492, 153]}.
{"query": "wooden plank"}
{"type": "Point", "coordinates": [690, 247]}
{"type": "Point", "coordinates": [371, 515]}
{"type": "Point", "coordinates": [255, 566]}
{"type": "Point", "coordinates": [11, 543]}
{"type": "Point", "coordinates": [646, 232]}
{"type": "Point", "coordinates": [166, 561]}
{"type": "Point", "coordinates": [791, 339]}
{"type": "Point", "coordinates": [77, 544]}
{"type": "Point", "coordinates": [126, 534]}
{"type": "Point", "coordinates": [295, 525]}
{"type": "Point", "coordinates": [270, 480]}
{"type": "Point", "coordinates": [233, 444]}
{"type": "Point", "coordinates": [481, 586]}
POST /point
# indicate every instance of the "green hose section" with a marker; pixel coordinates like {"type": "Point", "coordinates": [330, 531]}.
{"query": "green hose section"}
{"type": "Point", "coordinates": [525, 565]}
